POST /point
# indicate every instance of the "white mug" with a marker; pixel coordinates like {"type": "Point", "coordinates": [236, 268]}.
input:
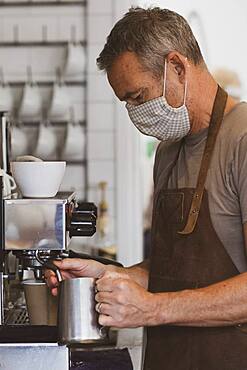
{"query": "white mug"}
{"type": "Point", "coordinates": [47, 143]}
{"type": "Point", "coordinates": [59, 103]}
{"type": "Point", "coordinates": [75, 60]}
{"type": "Point", "coordinates": [8, 184]}
{"type": "Point", "coordinates": [74, 146]}
{"type": "Point", "coordinates": [38, 179]}
{"type": "Point", "coordinates": [31, 102]}
{"type": "Point", "coordinates": [19, 142]}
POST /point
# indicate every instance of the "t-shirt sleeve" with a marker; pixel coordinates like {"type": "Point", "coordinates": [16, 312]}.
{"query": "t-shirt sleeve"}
{"type": "Point", "coordinates": [240, 175]}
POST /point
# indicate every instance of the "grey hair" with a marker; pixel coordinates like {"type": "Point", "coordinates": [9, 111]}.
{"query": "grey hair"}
{"type": "Point", "coordinates": [152, 34]}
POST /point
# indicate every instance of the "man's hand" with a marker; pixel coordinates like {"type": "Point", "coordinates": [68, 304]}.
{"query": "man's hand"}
{"type": "Point", "coordinates": [76, 267]}
{"type": "Point", "coordinates": [123, 303]}
{"type": "Point", "coordinates": [72, 268]}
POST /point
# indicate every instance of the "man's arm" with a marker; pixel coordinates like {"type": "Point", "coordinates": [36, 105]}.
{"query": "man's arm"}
{"type": "Point", "coordinates": [220, 304]}
{"type": "Point", "coordinates": [127, 304]}
{"type": "Point", "coordinates": [224, 303]}
{"type": "Point", "coordinates": [139, 273]}
{"type": "Point", "coordinates": [76, 267]}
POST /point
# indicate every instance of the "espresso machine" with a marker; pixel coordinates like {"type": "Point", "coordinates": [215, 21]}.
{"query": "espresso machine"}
{"type": "Point", "coordinates": [33, 232]}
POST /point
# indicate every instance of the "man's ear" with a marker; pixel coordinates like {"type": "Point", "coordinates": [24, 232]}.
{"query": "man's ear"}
{"type": "Point", "coordinates": [177, 63]}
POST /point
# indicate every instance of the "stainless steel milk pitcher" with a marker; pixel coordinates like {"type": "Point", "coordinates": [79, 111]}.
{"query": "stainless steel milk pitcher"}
{"type": "Point", "coordinates": [77, 317]}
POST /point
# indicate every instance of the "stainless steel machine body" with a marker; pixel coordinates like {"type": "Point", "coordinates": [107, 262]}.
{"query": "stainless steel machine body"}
{"type": "Point", "coordinates": [27, 356]}
{"type": "Point", "coordinates": [32, 233]}
{"type": "Point", "coordinates": [32, 224]}
{"type": "Point", "coordinates": [35, 231]}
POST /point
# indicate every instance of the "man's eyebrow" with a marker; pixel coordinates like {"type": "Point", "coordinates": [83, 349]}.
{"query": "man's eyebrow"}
{"type": "Point", "coordinates": [129, 94]}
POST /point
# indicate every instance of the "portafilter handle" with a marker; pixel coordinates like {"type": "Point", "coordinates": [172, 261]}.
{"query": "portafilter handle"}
{"type": "Point", "coordinates": [51, 266]}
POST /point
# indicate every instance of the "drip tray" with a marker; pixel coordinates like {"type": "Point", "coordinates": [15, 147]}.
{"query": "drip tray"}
{"type": "Point", "coordinates": [28, 334]}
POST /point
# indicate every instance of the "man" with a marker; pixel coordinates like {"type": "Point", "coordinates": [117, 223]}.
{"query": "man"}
{"type": "Point", "coordinates": [196, 300]}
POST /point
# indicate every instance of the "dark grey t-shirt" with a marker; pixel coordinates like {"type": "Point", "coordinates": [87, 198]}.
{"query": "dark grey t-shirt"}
{"type": "Point", "coordinates": [226, 181]}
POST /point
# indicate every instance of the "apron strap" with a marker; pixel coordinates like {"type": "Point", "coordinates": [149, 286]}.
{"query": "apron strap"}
{"type": "Point", "coordinates": [214, 126]}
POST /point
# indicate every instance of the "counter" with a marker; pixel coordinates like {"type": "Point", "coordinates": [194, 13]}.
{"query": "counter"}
{"type": "Point", "coordinates": [101, 359]}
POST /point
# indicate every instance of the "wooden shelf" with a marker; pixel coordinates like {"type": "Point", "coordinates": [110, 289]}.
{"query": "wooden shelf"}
{"type": "Point", "coordinates": [52, 123]}
{"type": "Point", "coordinates": [10, 44]}
{"type": "Point", "coordinates": [75, 162]}
{"type": "Point", "coordinates": [13, 4]}
{"type": "Point", "coordinates": [47, 83]}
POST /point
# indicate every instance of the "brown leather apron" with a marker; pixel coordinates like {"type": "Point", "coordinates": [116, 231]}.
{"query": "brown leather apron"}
{"type": "Point", "coordinates": [187, 254]}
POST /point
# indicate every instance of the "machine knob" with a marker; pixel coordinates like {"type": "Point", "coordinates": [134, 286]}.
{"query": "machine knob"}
{"type": "Point", "coordinates": [83, 220]}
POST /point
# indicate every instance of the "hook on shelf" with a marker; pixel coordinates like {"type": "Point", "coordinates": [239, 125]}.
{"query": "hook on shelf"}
{"type": "Point", "coordinates": [44, 33]}
{"type": "Point", "coordinates": [29, 75]}
{"type": "Point", "coordinates": [73, 37]}
{"type": "Point", "coordinates": [16, 33]}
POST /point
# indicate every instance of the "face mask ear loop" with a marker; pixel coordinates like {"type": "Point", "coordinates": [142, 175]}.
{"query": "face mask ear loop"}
{"type": "Point", "coordinates": [164, 82]}
{"type": "Point", "coordinates": [185, 91]}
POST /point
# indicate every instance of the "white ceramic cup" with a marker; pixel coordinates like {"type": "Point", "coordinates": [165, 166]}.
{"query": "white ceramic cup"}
{"type": "Point", "coordinates": [74, 146]}
{"type": "Point", "coordinates": [31, 102]}
{"type": "Point", "coordinates": [19, 142]}
{"type": "Point", "coordinates": [6, 98]}
{"type": "Point", "coordinates": [75, 60]}
{"type": "Point", "coordinates": [59, 102]}
{"type": "Point", "coordinates": [38, 179]}
{"type": "Point", "coordinates": [8, 184]}
{"type": "Point", "coordinates": [46, 142]}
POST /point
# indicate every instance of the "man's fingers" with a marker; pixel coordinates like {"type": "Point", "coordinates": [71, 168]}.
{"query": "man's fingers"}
{"type": "Point", "coordinates": [66, 274]}
{"type": "Point", "coordinates": [103, 308]}
{"type": "Point", "coordinates": [54, 291]}
{"type": "Point", "coordinates": [49, 273]}
{"type": "Point", "coordinates": [106, 320]}
{"type": "Point", "coordinates": [51, 279]}
{"type": "Point", "coordinates": [109, 285]}
{"type": "Point", "coordinates": [103, 297]}
{"type": "Point", "coordinates": [105, 285]}
{"type": "Point", "coordinates": [52, 282]}
{"type": "Point", "coordinates": [69, 264]}
{"type": "Point", "coordinates": [81, 267]}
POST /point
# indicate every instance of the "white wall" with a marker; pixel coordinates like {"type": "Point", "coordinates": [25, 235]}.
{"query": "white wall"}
{"type": "Point", "coordinates": [113, 142]}
{"type": "Point", "coordinates": [100, 108]}
{"type": "Point", "coordinates": [225, 27]}
{"type": "Point", "coordinates": [128, 175]}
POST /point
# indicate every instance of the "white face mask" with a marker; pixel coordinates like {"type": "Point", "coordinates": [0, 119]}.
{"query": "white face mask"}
{"type": "Point", "coordinates": [157, 118]}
